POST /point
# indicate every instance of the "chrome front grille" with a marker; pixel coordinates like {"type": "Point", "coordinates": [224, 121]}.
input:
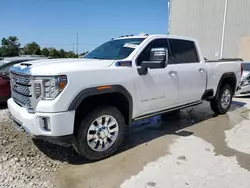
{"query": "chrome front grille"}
{"type": "Point", "coordinates": [21, 89]}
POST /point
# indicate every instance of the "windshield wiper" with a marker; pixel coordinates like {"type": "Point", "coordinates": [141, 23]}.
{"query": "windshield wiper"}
{"type": "Point", "coordinates": [97, 58]}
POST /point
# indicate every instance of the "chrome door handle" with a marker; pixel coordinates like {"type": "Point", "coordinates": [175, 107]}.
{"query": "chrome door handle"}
{"type": "Point", "coordinates": [172, 73]}
{"type": "Point", "coordinates": [201, 70]}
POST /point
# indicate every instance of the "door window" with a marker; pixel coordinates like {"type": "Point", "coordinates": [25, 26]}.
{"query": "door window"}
{"type": "Point", "coordinates": [183, 51]}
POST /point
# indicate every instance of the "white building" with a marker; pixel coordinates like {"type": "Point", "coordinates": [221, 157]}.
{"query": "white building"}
{"type": "Point", "coordinates": [221, 26]}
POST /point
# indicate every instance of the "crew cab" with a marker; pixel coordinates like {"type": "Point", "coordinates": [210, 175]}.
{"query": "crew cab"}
{"type": "Point", "coordinates": [89, 102]}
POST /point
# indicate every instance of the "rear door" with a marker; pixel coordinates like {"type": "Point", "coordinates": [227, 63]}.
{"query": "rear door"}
{"type": "Point", "coordinates": [191, 70]}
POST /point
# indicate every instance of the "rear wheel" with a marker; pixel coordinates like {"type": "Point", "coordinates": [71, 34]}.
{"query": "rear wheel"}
{"type": "Point", "coordinates": [222, 104]}
{"type": "Point", "coordinates": [101, 133]}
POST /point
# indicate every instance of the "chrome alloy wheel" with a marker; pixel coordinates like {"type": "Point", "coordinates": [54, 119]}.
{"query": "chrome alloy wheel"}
{"type": "Point", "coordinates": [225, 99]}
{"type": "Point", "coordinates": [102, 133]}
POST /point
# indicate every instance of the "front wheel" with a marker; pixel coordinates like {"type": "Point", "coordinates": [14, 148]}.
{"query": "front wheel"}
{"type": "Point", "coordinates": [101, 133]}
{"type": "Point", "coordinates": [222, 104]}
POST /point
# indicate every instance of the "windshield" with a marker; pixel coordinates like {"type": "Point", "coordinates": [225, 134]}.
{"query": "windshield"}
{"type": "Point", "coordinates": [2, 62]}
{"type": "Point", "coordinates": [246, 66]}
{"type": "Point", "coordinates": [115, 49]}
{"type": "Point", "coordinates": [5, 68]}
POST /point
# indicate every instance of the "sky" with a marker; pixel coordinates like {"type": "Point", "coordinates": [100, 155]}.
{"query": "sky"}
{"type": "Point", "coordinates": [55, 23]}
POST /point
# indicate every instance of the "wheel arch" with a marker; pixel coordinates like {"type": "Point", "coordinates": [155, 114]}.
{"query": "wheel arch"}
{"type": "Point", "coordinates": [227, 78]}
{"type": "Point", "coordinates": [116, 92]}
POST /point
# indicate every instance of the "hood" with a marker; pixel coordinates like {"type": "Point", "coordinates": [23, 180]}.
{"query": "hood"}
{"type": "Point", "coordinates": [57, 66]}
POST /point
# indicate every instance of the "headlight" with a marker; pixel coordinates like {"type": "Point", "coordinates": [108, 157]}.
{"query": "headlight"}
{"type": "Point", "coordinates": [49, 87]}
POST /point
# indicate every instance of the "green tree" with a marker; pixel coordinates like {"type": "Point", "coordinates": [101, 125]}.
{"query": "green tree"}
{"type": "Point", "coordinates": [32, 49]}
{"type": "Point", "coordinates": [62, 53]}
{"type": "Point", "coordinates": [83, 54]}
{"type": "Point", "coordinates": [70, 54]}
{"type": "Point", "coordinates": [53, 53]}
{"type": "Point", "coordinates": [10, 46]}
{"type": "Point", "coordinates": [45, 52]}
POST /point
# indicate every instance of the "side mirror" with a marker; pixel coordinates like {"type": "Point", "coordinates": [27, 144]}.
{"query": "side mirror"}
{"type": "Point", "coordinates": [158, 60]}
{"type": "Point", "coordinates": [159, 54]}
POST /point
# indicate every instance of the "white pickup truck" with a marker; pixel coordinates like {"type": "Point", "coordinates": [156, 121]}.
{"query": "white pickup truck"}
{"type": "Point", "coordinates": [89, 102]}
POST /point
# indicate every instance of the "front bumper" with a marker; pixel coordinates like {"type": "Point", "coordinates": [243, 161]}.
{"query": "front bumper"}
{"type": "Point", "coordinates": [61, 125]}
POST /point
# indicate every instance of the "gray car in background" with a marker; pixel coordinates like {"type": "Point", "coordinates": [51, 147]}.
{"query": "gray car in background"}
{"type": "Point", "coordinates": [244, 89]}
{"type": "Point", "coordinates": [7, 62]}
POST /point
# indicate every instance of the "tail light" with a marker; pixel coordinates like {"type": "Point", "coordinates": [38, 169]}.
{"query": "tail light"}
{"type": "Point", "coordinates": [242, 67]}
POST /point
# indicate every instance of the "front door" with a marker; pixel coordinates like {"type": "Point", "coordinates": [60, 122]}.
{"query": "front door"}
{"type": "Point", "coordinates": [156, 90]}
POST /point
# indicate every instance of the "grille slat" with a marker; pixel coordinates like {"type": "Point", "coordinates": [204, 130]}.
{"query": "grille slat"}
{"type": "Point", "coordinates": [21, 89]}
{"type": "Point", "coordinates": [21, 79]}
{"type": "Point", "coordinates": [21, 99]}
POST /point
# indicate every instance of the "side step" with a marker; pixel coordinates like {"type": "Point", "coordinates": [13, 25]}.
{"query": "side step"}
{"type": "Point", "coordinates": [168, 110]}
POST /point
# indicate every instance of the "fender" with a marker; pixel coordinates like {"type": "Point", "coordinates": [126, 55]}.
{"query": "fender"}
{"type": "Point", "coordinates": [224, 76]}
{"type": "Point", "coordinates": [102, 90]}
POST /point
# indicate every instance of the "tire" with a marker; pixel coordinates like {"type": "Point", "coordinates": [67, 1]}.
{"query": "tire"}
{"type": "Point", "coordinates": [213, 107]}
{"type": "Point", "coordinates": [220, 105]}
{"type": "Point", "coordinates": [91, 148]}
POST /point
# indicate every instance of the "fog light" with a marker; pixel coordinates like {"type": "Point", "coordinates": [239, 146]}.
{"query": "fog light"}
{"type": "Point", "coordinates": [45, 124]}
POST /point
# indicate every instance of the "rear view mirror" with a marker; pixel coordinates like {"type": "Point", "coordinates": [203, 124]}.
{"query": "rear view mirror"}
{"type": "Point", "coordinates": [158, 60]}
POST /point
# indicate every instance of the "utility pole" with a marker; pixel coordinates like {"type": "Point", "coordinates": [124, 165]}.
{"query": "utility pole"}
{"type": "Point", "coordinates": [77, 44]}
{"type": "Point", "coordinates": [223, 29]}
{"type": "Point", "coordinates": [169, 15]}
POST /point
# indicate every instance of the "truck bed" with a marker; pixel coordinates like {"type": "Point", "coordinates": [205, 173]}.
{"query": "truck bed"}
{"type": "Point", "coordinates": [216, 69]}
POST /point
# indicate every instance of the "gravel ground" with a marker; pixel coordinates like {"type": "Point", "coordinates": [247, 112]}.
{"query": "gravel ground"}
{"type": "Point", "coordinates": [22, 164]}
{"type": "Point", "coordinates": [3, 114]}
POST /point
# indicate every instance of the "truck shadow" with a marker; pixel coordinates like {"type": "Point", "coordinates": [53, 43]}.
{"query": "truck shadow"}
{"type": "Point", "coordinates": [141, 132]}
{"type": "Point", "coordinates": [3, 106]}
